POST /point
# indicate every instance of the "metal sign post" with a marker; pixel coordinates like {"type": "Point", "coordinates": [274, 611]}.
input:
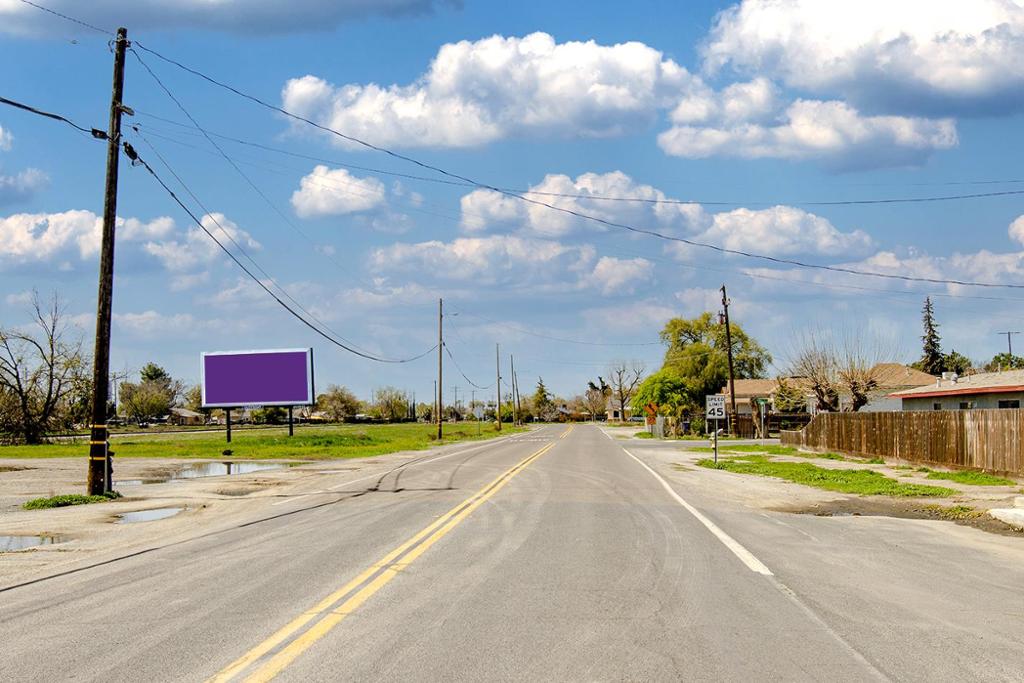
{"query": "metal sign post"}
{"type": "Point", "coordinates": [714, 409]}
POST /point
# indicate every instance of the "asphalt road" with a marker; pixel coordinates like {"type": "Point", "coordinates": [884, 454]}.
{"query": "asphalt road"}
{"type": "Point", "coordinates": [554, 555]}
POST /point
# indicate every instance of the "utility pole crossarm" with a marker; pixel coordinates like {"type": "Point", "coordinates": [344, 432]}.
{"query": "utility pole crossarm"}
{"type": "Point", "coordinates": [1009, 341]}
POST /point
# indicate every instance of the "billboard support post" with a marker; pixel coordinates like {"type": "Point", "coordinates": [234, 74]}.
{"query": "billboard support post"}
{"type": "Point", "coordinates": [227, 421]}
{"type": "Point", "coordinates": [291, 423]}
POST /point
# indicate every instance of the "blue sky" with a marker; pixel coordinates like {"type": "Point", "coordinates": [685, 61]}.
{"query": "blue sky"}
{"type": "Point", "coordinates": [767, 105]}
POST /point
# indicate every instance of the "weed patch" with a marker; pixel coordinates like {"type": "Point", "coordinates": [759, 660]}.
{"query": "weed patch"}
{"type": "Point", "coordinates": [643, 435]}
{"type": "Point", "coordinates": [972, 478]}
{"type": "Point", "coordinates": [863, 482]}
{"type": "Point", "coordinates": [68, 499]}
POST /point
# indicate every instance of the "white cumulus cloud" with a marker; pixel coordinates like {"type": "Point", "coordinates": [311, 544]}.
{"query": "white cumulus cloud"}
{"type": "Point", "coordinates": [486, 209]}
{"type": "Point", "coordinates": [476, 92]}
{"type": "Point", "coordinates": [924, 56]}
{"type": "Point", "coordinates": [335, 192]}
{"type": "Point", "coordinates": [522, 262]}
{"type": "Point", "coordinates": [189, 255]}
{"type": "Point", "coordinates": [833, 132]}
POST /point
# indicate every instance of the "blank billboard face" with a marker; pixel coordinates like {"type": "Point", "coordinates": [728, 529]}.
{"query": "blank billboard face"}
{"type": "Point", "coordinates": [233, 379]}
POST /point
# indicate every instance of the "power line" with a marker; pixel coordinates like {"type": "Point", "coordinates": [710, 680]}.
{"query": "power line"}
{"type": "Point", "coordinates": [133, 155]}
{"type": "Point", "coordinates": [581, 215]}
{"type": "Point", "coordinates": [67, 18]}
{"type": "Point", "coordinates": [553, 338]}
{"type": "Point", "coordinates": [637, 200]}
{"type": "Point", "coordinates": [95, 132]}
{"type": "Point", "coordinates": [238, 246]}
{"type": "Point", "coordinates": [456, 363]}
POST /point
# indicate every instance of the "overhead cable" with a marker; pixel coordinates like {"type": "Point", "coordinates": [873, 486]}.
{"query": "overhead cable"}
{"type": "Point", "coordinates": [133, 155]}
{"type": "Point", "coordinates": [95, 132]}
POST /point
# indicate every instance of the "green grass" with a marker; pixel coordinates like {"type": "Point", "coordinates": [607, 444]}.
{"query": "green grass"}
{"type": "Point", "coordinates": [309, 443]}
{"type": "Point", "coordinates": [973, 478]}
{"type": "Point", "coordinates": [643, 435]}
{"type": "Point", "coordinates": [768, 449]}
{"type": "Point", "coordinates": [875, 461]}
{"type": "Point", "coordinates": [68, 499]}
{"type": "Point", "coordinates": [863, 482]}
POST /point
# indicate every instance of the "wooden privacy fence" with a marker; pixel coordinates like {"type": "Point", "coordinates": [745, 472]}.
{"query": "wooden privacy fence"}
{"type": "Point", "coordinates": [989, 440]}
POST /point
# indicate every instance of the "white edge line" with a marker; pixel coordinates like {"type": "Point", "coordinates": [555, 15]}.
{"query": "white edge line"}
{"type": "Point", "coordinates": [728, 541]}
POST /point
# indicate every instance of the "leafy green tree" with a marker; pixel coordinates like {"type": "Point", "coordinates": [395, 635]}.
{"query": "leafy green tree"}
{"type": "Point", "coordinates": [145, 400]}
{"type": "Point", "coordinates": [271, 415]}
{"type": "Point", "coordinates": [1004, 361]}
{"type": "Point", "coordinates": [956, 362]}
{"type": "Point", "coordinates": [932, 360]}
{"type": "Point", "coordinates": [789, 398]}
{"type": "Point", "coordinates": [666, 390]}
{"type": "Point", "coordinates": [697, 353]}
{"type": "Point", "coordinates": [338, 403]}
{"type": "Point", "coordinates": [151, 372]}
{"type": "Point", "coordinates": [390, 404]}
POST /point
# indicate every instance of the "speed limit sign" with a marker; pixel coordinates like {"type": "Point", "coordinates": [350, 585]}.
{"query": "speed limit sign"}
{"type": "Point", "coordinates": [715, 407]}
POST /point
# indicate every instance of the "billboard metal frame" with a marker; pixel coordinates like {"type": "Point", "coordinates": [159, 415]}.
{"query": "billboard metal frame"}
{"type": "Point", "coordinates": [311, 391]}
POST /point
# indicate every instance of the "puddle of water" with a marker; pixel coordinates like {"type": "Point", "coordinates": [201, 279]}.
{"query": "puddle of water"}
{"type": "Point", "coordinates": [147, 515]}
{"type": "Point", "coordinates": [220, 469]}
{"type": "Point", "coordinates": [210, 469]}
{"type": "Point", "coordinates": [9, 543]}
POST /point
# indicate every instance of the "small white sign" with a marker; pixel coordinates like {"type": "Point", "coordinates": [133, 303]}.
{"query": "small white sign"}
{"type": "Point", "coordinates": [478, 412]}
{"type": "Point", "coordinates": [715, 407]}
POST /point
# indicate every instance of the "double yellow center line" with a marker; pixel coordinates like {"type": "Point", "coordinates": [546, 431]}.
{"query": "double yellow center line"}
{"type": "Point", "coordinates": [270, 657]}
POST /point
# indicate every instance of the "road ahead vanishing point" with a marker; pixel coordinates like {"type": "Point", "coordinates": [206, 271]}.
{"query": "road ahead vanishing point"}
{"type": "Point", "coordinates": [551, 555]}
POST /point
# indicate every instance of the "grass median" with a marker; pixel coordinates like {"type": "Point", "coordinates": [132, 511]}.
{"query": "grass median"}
{"type": "Point", "coordinates": [768, 449]}
{"type": "Point", "coordinates": [971, 477]}
{"type": "Point", "coordinates": [309, 443]}
{"type": "Point", "coordinates": [860, 481]}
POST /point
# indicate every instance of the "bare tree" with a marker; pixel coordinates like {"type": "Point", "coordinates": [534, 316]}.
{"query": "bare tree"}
{"type": "Point", "coordinates": [623, 379]}
{"type": "Point", "coordinates": [41, 369]}
{"type": "Point", "coordinates": [849, 365]}
{"type": "Point", "coordinates": [594, 401]}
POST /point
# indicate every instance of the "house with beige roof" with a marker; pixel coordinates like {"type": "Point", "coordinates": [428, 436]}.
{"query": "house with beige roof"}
{"type": "Point", "coordinates": [891, 377]}
{"type": "Point", "coordinates": [984, 390]}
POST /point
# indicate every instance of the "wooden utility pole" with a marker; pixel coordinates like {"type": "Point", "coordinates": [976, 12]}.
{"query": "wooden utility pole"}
{"type": "Point", "coordinates": [728, 343]}
{"type": "Point", "coordinates": [497, 369]}
{"type": "Point", "coordinates": [440, 366]}
{"type": "Point", "coordinates": [515, 406]}
{"type": "Point", "coordinates": [519, 404]}
{"type": "Point", "coordinates": [99, 451]}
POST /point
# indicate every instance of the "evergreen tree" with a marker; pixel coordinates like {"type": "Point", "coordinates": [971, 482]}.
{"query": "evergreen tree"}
{"type": "Point", "coordinates": [932, 362]}
{"type": "Point", "coordinates": [543, 406]}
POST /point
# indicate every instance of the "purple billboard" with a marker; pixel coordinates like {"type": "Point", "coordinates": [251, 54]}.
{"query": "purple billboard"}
{"type": "Point", "coordinates": [278, 377]}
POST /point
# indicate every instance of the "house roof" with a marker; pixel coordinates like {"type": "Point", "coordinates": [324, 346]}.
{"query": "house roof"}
{"type": "Point", "coordinates": [185, 412]}
{"type": "Point", "coordinates": [980, 383]}
{"type": "Point", "coordinates": [897, 376]}
{"type": "Point", "coordinates": [752, 388]}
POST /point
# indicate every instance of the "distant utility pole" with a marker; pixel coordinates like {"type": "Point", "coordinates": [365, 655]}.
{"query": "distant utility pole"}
{"type": "Point", "coordinates": [497, 369]}
{"type": "Point", "coordinates": [99, 451]}
{"type": "Point", "coordinates": [1009, 342]}
{"type": "Point", "coordinates": [515, 408]}
{"type": "Point", "coordinates": [456, 400]}
{"type": "Point", "coordinates": [440, 364]}
{"type": "Point", "coordinates": [728, 343]}
{"type": "Point", "coordinates": [519, 405]}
